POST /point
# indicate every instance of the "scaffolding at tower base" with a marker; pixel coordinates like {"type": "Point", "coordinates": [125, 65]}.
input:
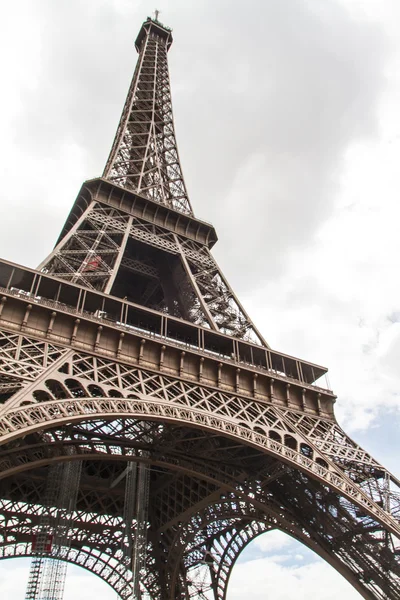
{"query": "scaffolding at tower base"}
{"type": "Point", "coordinates": [50, 548]}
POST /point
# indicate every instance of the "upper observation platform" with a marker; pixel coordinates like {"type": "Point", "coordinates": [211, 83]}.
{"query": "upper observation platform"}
{"type": "Point", "coordinates": [153, 26]}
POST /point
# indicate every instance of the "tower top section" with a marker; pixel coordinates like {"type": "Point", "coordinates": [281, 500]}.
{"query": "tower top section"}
{"type": "Point", "coordinates": [155, 28]}
{"type": "Point", "coordinates": [144, 156]}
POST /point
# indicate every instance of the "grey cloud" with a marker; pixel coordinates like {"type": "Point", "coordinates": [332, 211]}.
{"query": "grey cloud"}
{"type": "Point", "coordinates": [290, 89]}
{"type": "Point", "coordinates": [84, 74]}
{"type": "Point", "coordinates": [267, 98]}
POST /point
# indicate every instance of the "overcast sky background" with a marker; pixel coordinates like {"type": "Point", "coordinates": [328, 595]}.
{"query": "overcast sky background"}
{"type": "Point", "coordinates": [288, 124]}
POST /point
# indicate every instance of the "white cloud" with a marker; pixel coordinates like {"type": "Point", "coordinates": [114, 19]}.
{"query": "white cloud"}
{"type": "Point", "coordinates": [272, 541]}
{"type": "Point", "coordinates": [255, 578]}
{"type": "Point", "coordinates": [80, 585]}
{"type": "Point", "coordinates": [263, 578]}
{"type": "Point", "coordinates": [337, 299]}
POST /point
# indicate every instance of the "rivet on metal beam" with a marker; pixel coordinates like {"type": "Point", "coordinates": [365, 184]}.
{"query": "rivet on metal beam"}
{"type": "Point", "coordinates": [98, 336]}
{"type": "Point", "coordinates": [75, 330]}
{"type": "Point", "coordinates": [288, 395]}
{"type": "Point", "coordinates": [142, 343]}
{"type": "Point", "coordinates": [2, 303]}
{"type": "Point", "coordinates": [201, 369]}
{"type": "Point", "coordinates": [271, 389]}
{"type": "Point", "coordinates": [162, 353]}
{"type": "Point", "coordinates": [237, 383]}
{"type": "Point", "coordinates": [319, 407]}
{"type": "Point", "coordinates": [26, 316]}
{"type": "Point", "coordinates": [181, 364]}
{"type": "Point", "coordinates": [255, 377]}
{"type": "Point", "coordinates": [51, 323]}
{"type": "Point", "coordinates": [120, 341]}
{"type": "Point", "coordinates": [219, 374]}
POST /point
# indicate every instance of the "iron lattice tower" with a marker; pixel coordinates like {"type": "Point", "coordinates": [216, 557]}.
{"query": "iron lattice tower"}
{"type": "Point", "coordinates": [128, 353]}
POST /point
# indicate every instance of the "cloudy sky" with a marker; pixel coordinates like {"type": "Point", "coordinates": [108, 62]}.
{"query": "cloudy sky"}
{"type": "Point", "coordinates": [288, 124]}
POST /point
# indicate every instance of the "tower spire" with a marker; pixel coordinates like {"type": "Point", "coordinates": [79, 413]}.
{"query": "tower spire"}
{"type": "Point", "coordinates": [144, 156]}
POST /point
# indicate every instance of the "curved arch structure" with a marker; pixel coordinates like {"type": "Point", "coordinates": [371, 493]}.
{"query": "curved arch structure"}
{"type": "Point", "coordinates": [146, 395]}
{"type": "Point", "coordinates": [117, 578]}
{"type": "Point", "coordinates": [112, 428]}
{"type": "Point", "coordinates": [130, 353]}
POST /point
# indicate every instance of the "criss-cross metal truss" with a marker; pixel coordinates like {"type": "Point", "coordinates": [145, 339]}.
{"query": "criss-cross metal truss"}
{"type": "Point", "coordinates": [47, 576]}
{"type": "Point", "coordinates": [127, 352]}
{"type": "Point", "coordinates": [156, 258]}
{"type": "Point", "coordinates": [144, 156]}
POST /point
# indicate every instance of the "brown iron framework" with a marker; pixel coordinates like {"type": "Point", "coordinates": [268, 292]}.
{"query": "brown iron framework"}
{"type": "Point", "coordinates": [127, 346]}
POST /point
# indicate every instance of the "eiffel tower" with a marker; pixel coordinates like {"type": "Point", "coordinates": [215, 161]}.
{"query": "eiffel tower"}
{"type": "Point", "coordinates": [148, 432]}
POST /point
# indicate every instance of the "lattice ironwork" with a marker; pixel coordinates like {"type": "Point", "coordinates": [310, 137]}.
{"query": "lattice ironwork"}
{"type": "Point", "coordinates": [144, 156]}
{"type": "Point", "coordinates": [52, 543]}
{"type": "Point", "coordinates": [129, 354]}
{"type": "Point", "coordinates": [324, 468]}
{"type": "Point", "coordinates": [107, 246]}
